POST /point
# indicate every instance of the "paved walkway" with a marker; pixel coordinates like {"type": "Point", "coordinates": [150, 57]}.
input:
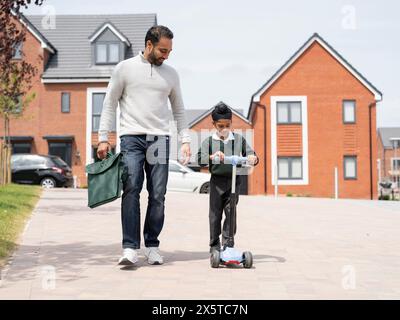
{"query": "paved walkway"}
{"type": "Point", "coordinates": [303, 248]}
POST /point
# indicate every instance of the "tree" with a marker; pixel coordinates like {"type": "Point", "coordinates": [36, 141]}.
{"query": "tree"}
{"type": "Point", "coordinates": [15, 75]}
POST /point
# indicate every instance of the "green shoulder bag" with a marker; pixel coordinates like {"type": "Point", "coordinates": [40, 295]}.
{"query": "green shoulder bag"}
{"type": "Point", "coordinates": [104, 180]}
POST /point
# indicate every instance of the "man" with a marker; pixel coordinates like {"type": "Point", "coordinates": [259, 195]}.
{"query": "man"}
{"type": "Point", "coordinates": [142, 85]}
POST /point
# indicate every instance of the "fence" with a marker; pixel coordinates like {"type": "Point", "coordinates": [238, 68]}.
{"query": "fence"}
{"type": "Point", "coordinates": [5, 163]}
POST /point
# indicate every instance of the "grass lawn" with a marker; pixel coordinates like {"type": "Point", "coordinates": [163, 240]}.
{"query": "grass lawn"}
{"type": "Point", "coordinates": [16, 205]}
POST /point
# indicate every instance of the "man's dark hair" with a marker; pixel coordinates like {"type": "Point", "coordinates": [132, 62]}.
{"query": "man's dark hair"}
{"type": "Point", "coordinates": [221, 111]}
{"type": "Point", "coordinates": [155, 33]}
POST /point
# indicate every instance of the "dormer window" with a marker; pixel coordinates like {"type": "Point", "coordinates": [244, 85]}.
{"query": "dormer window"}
{"type": "Point", "coordinates": [18, 51]}
{"type": "Point", "coordinates": [108, 45]}
{"type": "Point", "coordinates": [107, 52]}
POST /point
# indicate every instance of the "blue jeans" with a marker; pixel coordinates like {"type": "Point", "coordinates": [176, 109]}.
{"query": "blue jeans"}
{"type": "Point", "coordinates": [149, 154]}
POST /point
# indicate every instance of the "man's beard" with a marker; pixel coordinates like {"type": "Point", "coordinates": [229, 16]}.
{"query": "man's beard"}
{"type": "Point", "coordinates": [153, 59]}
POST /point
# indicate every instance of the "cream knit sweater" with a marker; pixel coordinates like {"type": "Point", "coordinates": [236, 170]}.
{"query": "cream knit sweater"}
{"type": "Point", "coordinates": [142, 91]}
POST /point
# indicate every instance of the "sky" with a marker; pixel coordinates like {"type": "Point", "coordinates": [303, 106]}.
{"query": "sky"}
{"type": "Point", "coordinates": [226, 50]}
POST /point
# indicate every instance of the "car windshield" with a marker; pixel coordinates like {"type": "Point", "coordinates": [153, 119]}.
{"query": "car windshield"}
{"type": "Point", "coordinates": [176, 166]}
{"type": "Point", "coordinates": [59, 162]}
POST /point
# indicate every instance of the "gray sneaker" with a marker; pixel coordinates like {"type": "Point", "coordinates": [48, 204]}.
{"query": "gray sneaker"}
{"type": "Point", "coordinates": [153, 255]}
{"type": "Point", "coordinates": [129, 257]}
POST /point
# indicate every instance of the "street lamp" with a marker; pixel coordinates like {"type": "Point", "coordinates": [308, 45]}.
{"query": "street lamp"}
{"type": "Point", "coordinates": [395, 143]}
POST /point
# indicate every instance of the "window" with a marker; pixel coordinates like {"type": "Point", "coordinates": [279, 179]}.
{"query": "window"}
{"type": "Point", "coordinates": [16, 160]}
{"type": "Point", "coordinates": [65, 102]}
{"type": "Point", "coordinates": [290, 168]}
{"type": "Point", "coordinates": [61, 149]}
{"type": "Point", "coordinates": [18, 51]}
{"type": "Point", "coordinates": [58, 162]}
{"type": "Point", "coordinates": [289, 112]}
{"type": "Point", "coordinates": [34, 160]}
{"type": "Point", "coordinates": [97, 107]}
{"type": "Point", "coordinates": [283, 113]}
{"type": "Point", "coordinates": [19, 106]}
{"type": "Point", "coordinates": [19, 161]}
{"type": "Point", "coordinates": [395, 163]}
{"type": "Point", "coordinates": [349, 111]}
{"type": "Point", "coordinates": [18, 147]}
{"type": "Point", "coordinates": [107, 52]}
{"type": "Point", "coordinates": [350, 167]}
{"type": "Point", "coordinates": [113, 52]}
{"type": "Point", "coordinates": [101, 53]}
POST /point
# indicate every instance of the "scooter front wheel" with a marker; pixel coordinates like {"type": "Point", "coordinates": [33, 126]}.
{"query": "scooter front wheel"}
{"type": "Point", "coordinates": [248, 260]}
{"type": "Point", "coordinates": [215, 259]}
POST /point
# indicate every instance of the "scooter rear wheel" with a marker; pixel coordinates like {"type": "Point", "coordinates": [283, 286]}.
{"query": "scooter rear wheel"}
{"type": "Point", "coordinates": [248, 260]}
{"type": "Point", "coordinates": [215, 259]}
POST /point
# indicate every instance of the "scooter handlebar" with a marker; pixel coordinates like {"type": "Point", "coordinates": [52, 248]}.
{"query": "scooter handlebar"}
{"type": "Point", "coordinates": [233, 160]}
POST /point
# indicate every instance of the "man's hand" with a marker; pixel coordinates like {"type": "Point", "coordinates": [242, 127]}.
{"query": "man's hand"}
{"type": "Point", "coordinates": [219, 154]}
{"type": "Point", "coordinates": [102, 150]}
{"type": "Point", "coordinates": [185, 153]}
{"type": "Point", "coordinates": [252, 159]}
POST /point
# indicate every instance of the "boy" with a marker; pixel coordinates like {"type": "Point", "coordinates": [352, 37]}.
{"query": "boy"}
{"type": "Point", "coordinates": [222, 142]}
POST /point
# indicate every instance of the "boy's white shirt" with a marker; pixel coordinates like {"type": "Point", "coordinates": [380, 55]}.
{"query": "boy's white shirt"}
{"type": "Point", "coordinates": [230, 137]}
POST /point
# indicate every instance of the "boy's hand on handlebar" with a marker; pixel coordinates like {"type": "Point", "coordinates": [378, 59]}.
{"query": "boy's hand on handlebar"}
{"type": "Point", "coordinates": [218, 154]}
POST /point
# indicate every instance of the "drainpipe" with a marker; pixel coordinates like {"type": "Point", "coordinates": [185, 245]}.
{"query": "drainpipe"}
{"type": "Point", "coordinates": [265, 144]}
{"type": "Point", "coordinates": [370, 106]}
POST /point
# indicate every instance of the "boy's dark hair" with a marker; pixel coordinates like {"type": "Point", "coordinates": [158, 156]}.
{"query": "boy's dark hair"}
{"type": "Point", "coordinates": [155, 33]}
{"type": "Point", "coordinates": [221, 111]}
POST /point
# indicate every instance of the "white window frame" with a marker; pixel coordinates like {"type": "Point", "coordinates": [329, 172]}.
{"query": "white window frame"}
{"type": "Point", "coordinates": [344, 167]}
{"type": "Point", "coordinates": [68, 94]}
{"type": "Point", "coordinates": [354, 111]}
{"type": "Point", "coordinates": [108, 45]}
{"type": "Point", "coordinates": [100, 112]}
{"type": "Point", "coordinates": [89, 93]}
{"type": "Point", "coordinates": [18, 51]}
{"type": "Point", "coordinates": [274, 157]}
{"type": "Point", "coordinates": [392, 159]}
{"type": "Point", "coordinates": [290, 168]}
{"type": "Point", "coordinates": [289, 113]}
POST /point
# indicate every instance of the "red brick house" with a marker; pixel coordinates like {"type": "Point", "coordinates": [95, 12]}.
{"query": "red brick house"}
{"type": "Point", "coordinates": [389, 154]}
{"type": "Point", "coordinates": [75, 61]}
{"type": "Point", "coordinates": [314, 127]}
{"type": "Point", "coordinates": [315, 114]}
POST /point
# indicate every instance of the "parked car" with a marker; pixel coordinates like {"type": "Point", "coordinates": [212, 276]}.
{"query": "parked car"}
{"type": "Point", "coordinates": [387, 189]}
{"type": "Point", "coordinates": [45, 170]}
{"type": "Point", "coordinates": [182, 178]}
{"type": "Point", "coordinates": [387, 184]}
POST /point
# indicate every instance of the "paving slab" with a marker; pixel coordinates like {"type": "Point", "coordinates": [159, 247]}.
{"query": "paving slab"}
{"type": "Point", "coordinates": [304, 248]}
